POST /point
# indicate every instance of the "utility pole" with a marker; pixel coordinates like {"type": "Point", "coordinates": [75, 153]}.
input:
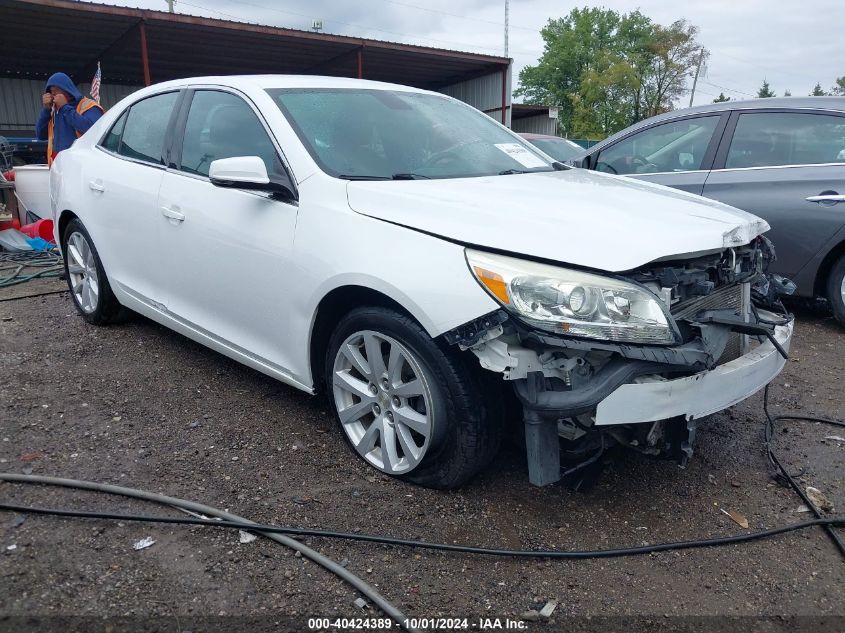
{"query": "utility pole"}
{"type": "Point", "coordinates": [695, 79]}
{"type": "Point", "coordinates": [507, 19]}
{"type": "Point", "coordinates": [170, 4]}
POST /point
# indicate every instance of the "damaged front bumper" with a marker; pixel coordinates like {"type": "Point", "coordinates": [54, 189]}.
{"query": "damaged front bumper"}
{"type": "Point", "coordinates": [638, 385]}
{"type": "Point", "coordinates": [584, 396]}
{"type": "Point", "coordinates": [700, 394]}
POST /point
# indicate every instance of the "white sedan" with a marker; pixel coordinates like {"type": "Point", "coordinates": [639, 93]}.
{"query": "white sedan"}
{"type": "Point", "coordinates": [423, 266]}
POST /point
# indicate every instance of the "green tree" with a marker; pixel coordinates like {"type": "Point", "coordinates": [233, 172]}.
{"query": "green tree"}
{"type": "Point", "coordinates": [721, 98]}
{"type": "Point", "coordinates": [818, 92]}
{"type": "Point", "coordinates": [571, 46]}
{"type": "Point", "coordinates": [787, 93]}
{"type": "Point", "coordinates": [675, 53]}
{"type": "Point", "coordinates": [839, 88]}
{"type": "Point", "coordinates": [606, 70]}
{"type": "Point", "coordinates": [765, 91]}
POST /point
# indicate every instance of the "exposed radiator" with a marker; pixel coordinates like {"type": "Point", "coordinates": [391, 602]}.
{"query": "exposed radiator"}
{"type": "Point", "coordinates": [729, 298]}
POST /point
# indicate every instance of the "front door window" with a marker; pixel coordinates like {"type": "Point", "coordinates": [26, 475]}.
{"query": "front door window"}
{"type": "Point", "coordinates": [676, 146]}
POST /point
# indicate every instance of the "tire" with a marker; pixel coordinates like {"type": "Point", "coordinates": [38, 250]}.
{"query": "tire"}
{"type": "Point", "coordinates": [836, 290]}
{"type": "Point", "coordinates": [86, 279]}
{"type": "Point", "coordinates": [428, 414]}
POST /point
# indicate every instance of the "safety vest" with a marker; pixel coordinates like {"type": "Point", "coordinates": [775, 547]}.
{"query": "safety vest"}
{"type": "Point", "coordinates": [82, 107]}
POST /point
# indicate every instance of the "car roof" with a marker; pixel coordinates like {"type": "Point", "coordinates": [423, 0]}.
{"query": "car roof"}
{"type": "Point", "coordinates": [286, 81]}
{"type": "Point", "coordinates": [821, 103]}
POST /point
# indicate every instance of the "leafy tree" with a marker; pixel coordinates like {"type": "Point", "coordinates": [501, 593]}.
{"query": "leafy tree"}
{"type": "Point", "coordinates": [606, 70]}
{"type": "Point", "coordinates": [721, 98]}
{"type": "Point", "coordinates": [839, 87]}
{"type": "Point", "coordinates": [818, 92]}
{"type": "Point", "coordinates": [787, 93]}
{"type": "Point", "coordinates": [571, 46]}
{"type": "Point", "coordinates": [765, 91]}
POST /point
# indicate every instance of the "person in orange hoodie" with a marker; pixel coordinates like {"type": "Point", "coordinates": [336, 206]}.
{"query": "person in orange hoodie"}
{"type": "Point", "coordinates": [66, 115]}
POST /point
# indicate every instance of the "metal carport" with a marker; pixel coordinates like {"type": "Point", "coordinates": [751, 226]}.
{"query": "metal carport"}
{"type": "Point", "coordinates": [137, 47]}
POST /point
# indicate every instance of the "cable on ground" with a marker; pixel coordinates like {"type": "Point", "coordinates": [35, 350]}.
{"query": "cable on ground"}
{"type": "Point", "coordinates": [45, 263]}
{"type": "Point", "coordinates": [280, 533]}
{"type": "Point", "coordinates": [788, 477]}
{"type": "Point", "coordinates": [363, 587]}
{"type": "Point", "coordinates": [462, 549]}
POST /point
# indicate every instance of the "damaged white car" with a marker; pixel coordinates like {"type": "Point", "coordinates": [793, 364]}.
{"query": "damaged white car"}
{"type": "Point", "coordinates": [427, 269]}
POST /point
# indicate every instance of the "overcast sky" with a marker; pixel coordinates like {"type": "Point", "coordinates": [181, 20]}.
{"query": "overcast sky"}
{"type": "Point", "coordinates": [791, 44]}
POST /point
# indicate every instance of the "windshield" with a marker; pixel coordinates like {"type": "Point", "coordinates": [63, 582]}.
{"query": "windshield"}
{"type": "Point", "coordinates": [556, 148]}
{"type": "Point", "coordinates": [380, 134]}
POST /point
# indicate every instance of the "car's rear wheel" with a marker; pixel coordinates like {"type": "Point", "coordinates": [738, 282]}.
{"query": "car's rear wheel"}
{"type": "Point", "coordinates": [409, 406]}
{"type": "Point", "coordinates": [836, 290]}
{"type": "Point", "coordinates": [86, 279]}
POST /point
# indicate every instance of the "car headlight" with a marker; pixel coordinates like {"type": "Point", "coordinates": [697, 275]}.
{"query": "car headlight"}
{"type": "Point", "coordinates": [572, 302]}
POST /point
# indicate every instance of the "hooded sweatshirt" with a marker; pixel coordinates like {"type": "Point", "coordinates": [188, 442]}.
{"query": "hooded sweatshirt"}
{"type": "Point", "coordinates": [67, 122]}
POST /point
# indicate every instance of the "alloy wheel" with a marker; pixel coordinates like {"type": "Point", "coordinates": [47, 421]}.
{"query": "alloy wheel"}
{"type": "Point", "coordinates": [82, 272]}
{"type": "Point", "coordinates": [383, 401]}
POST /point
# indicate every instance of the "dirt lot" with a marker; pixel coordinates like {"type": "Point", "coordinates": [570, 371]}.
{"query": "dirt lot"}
{"type": "Point", "coordinates": [140, 406]}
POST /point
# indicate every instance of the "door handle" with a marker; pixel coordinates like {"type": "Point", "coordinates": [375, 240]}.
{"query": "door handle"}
{"type": "Point", "coordinates": [831, 198]}
{"type": "Point", "coordinates": [96, 185]}
{"type": "Point", "coordinates": [173, 213]}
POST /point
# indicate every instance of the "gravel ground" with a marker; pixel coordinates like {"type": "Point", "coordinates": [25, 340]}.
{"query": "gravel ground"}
{"type": "Point", "coordinates": [140, 406]}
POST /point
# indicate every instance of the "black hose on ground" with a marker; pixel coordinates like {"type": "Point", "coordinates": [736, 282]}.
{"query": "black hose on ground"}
{"type": "Point", "coordinates": [462, 549]}
{"type": "Point", "coordinates": [363, 587]}
{"type": "Point", "coordinates": [785, 474]}
{"type": "Point", "coordinates": [278, 533]}
{"type": "Point", "coordinates": [37, 294]}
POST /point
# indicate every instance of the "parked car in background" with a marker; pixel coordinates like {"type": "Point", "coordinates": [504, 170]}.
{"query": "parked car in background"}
{"type": "Point", "coordinates": [413, 264]}
{"type": "Point", "coordinates": [27, 151]}
{"type": "Point", "coordinates": [781, 159]}
{"type": "Point", "coordinates": [561, 149]}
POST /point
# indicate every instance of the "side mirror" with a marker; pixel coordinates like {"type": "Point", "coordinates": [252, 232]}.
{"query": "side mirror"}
{"type": "Point", "coordinates": [245, 172]}
{"type": "Point", "coordinates": [238, 171]}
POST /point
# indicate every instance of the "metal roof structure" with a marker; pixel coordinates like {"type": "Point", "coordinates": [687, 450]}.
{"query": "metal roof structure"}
{"type": "Point", "coordinates": [533, 119]}
{"type": "Point", "coordinates": [140, 46]}
{"type": "Point", "coordinates": [524, 110]}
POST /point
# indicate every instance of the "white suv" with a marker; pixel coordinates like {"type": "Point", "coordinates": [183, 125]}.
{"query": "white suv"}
{"type": "Point", "coordinates": [421, 264]}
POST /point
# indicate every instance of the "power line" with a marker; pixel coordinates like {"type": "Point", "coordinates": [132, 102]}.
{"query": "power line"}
{"type": "Point", "coordinates": [750, 63]}
{"type": "Point", "coordinates": [710, 83]}
{"type": "Point", "coordinates": [350, 24]}
{"type": "Point", "coordinates": [461, 16]}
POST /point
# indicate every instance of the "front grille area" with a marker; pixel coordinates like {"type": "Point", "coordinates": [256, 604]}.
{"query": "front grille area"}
{"type": "Point", "coordinates": [729, 297]}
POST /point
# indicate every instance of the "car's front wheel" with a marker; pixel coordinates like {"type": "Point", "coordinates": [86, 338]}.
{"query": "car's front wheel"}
{"type": "Point", "coordinates": [86, 278]}
{"type": "Point", "coordinates": [410, 406]}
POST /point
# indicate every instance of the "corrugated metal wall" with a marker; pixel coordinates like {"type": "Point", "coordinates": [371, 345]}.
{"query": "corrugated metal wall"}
{"type": "Point", "coordinates": [484, 93]}
{"type": "Point", "coordinates": [20, 100]}
{"type": "Point", "coordinates": [537, 124]}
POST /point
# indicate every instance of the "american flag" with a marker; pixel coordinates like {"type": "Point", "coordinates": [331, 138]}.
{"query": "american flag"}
{"type": "Point", "coordinates": [95, 85]}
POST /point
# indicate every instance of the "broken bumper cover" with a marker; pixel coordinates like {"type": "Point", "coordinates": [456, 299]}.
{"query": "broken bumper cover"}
{"type": "Point", "coordinates": [700, 394]}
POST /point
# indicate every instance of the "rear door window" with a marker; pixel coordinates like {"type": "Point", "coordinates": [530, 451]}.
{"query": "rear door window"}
{"type": "Point", "coordinates": [145, 129]}
{"type": "Point", "coordinates": [768, 139]}
{"type": "Point", "coordinates": [675, 146]}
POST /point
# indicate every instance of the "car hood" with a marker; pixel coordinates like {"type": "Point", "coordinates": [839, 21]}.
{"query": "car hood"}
{"type": "Point", "coordinates": [573, 216]}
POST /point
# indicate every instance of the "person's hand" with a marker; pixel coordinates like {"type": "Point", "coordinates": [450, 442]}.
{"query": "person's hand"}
{"type": "Point", "coordinates": [47, 100]}
{"type": "Point", "coordinates": [59, 101]}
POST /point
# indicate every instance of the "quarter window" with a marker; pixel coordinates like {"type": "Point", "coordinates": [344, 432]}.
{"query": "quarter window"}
{"type": "Point", "coordinates": [146, 128]}
{"type": "Point", "coordinates": [674, 146]}
{"type": "Point", "coordinates": [112, 140]}
{"type": "Point", "coordinates": [222, 125]}
{"type": "Point", "coordinates": [766, 139]}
